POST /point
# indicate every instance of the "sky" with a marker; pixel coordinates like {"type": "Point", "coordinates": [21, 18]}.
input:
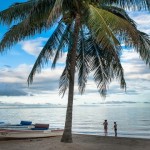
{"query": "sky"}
{"type": "Point", "coordinates": [16, 64]}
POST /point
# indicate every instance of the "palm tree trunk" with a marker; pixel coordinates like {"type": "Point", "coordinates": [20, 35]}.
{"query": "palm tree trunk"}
{"type": "Point", "coordinates": [67, 135]}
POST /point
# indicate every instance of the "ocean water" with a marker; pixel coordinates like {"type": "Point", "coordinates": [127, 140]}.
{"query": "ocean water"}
{"type": "Point", "coordinates": [133, 120]}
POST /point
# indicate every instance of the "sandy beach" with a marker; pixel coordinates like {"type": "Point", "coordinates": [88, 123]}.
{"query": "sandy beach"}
{"type": "Point", "coordinates": [80, 142]}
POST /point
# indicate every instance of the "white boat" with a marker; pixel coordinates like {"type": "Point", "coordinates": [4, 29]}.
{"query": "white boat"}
{"type": "Point", "coordinates": [22, 134]}
{"type": "Point", "coordinates": [24, 125]}
{"type": "Point", "coordinates": [28, 130]}
{"type": "Point", "coordinates": [10, 126]}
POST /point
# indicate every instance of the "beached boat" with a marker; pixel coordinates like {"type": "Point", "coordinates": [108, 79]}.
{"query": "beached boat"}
{"type": "Point", "coordinates": [17, 134]}
{"type": "Point", "coordinates": [24, 125]}
{"type": "Point", "coordinates": [28, 130]}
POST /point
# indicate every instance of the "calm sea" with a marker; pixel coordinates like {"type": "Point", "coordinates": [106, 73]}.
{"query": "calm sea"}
{"type": "Point", "coordinates": [133, 119]}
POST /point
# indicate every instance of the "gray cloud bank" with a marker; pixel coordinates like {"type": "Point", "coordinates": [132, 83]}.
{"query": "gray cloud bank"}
{"type": "Point", "coordinates": [13, 82]}
{"type": "Point", "coordinates": [10, 89]}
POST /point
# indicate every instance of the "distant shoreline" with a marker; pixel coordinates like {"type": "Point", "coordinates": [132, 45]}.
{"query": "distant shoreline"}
{"type": "Point", "coordinates": [15, 104]}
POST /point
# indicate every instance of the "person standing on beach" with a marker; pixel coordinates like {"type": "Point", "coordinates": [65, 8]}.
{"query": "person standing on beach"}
{"type": "Point", "coordinates": [115, 128]}
{"type": "Point", "coordinates": [105, 124]}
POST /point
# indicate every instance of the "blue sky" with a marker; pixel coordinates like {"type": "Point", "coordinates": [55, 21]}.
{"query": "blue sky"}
{"type": "Point", "coordinates": [16, 64]}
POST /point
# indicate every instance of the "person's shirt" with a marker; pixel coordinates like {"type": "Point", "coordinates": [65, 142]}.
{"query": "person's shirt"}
{"type": "Point", "coordinates": [105, 124]}
{"type": "Point", "coordinates": [115, 126]}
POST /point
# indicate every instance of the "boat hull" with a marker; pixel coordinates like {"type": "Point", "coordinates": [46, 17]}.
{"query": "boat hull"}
{"type": "Point", "coordinates": [22, 134]}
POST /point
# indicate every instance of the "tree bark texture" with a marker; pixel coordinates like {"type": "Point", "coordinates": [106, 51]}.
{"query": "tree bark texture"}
{"type": "Point", "coordinates": [67, 135]}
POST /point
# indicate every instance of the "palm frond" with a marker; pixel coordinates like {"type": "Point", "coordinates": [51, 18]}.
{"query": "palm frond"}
{"type": "Point", "coordinates": [16, 12]}
{"type": "Point", "coordinates": [82, 62]}
{"type": "Point", "coordinates": [110, 26]}
{"type": "Point", "coordinates": [47, 52]}
{"type": "Point", "coordinates": [40, 9]}
{"type": "Point", "coordinates": [101, 72]}
{"type": "Point", "coordinates": [63, 42]}
{"type": "Point", "coordinates": [128, 4]}
{"type": "Point", "coordinates": [30, 26]}
{"type": "Point", "coordinates": [65, 77]}
{"type": "Point", "coordinates": [106, 67]}
{"type": "Point", "coordinates": [120, 13]}
{"type": "Point", "coordinates": [130, 35]}
{"type": "Point", "coordinates": [64, 82]}
{"type": "Point", "coordinates": [100, 28]}
{"type": "Point", "coordinates": [20, 32]}
{"type": "Point", "coordinates": [55, 12]}
{"type": "Point", "coordinates": [144, 47]}
{"type": "Point", "coordinates": [124, 30]}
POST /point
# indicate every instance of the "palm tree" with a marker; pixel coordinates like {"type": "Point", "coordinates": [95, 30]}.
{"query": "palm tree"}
{"type": "Point", "coordinates": [91, 30]}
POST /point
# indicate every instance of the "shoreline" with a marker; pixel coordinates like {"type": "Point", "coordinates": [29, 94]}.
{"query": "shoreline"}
{"type": "Point", "coordinates": [80, 142]}
{"type": "Point", "coordinates": [119, 135]}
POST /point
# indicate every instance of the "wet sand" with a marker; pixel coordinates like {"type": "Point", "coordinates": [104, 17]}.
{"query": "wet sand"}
{"type": "Point", "coordinates": [80, 142]}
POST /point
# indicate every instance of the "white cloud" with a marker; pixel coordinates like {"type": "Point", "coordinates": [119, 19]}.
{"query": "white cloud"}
{"type": "Point", "coordinates": [142, 19]}
{"type": "Point", "coordinates": [134, 67]}
{"type": "Point", "coordinates": [62, 60]}
{"type": "Point", "coordinates": [14, 75]}
{"type": "Point", "coordinates": [34, 46]}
